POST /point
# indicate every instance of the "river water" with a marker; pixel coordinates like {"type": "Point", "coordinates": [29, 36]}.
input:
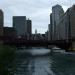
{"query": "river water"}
{"type": "Point", "coordinates": [41, 61]}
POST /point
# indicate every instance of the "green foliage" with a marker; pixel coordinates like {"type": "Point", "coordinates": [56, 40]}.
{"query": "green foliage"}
{"type": "Point", "coordinates": [7, 60]}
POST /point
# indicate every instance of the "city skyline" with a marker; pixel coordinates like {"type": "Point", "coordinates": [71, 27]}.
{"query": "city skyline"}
{"type": "Point", "coordinates": [37, 11]}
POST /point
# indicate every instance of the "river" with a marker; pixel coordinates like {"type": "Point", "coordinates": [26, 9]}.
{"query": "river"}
{"type": "Point", "coordinates": [40, 61]}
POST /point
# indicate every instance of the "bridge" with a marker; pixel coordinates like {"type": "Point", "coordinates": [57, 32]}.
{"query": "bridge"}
{"type": "Point", "coordinates": [34, 43]}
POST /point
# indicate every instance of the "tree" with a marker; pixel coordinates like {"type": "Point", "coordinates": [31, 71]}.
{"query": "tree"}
{"type": "Point", "coordinates": [7, 60]}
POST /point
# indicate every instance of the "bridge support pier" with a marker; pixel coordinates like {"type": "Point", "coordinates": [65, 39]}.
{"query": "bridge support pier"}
{"type": "Point", "coordinates": [51, 46]}
{"type": "Point", "coordinates": [72, 46]}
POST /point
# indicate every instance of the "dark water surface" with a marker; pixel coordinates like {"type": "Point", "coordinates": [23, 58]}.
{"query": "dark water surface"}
{"type": "Point", "coordinates": [39, 61]}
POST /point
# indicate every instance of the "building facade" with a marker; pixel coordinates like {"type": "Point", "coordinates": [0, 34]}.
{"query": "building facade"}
{"type": "Point", "coordinates": [57, 12]}
{"type": "Point", "coordinates": [66, 26]}
{"type": "Point", "coordinates": [20, 24]}
{"type": "Point", "coordinates": [9, 33]}
{"type": "Point", "coordinates": [29, 29]}
{"type": "Point", "coordinates": [50, 29]}
{"type": "Point", "coordinates": [1, 22]}
{"type": "Point", "coordinates": [49, 32]}
{"type": "Point", "coordinates": [1, 25]}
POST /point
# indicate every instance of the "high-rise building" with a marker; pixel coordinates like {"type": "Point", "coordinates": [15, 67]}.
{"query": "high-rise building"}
{"type": "Point", "coordinates": [1, 22]}
{"type": "Point", "coordinates": [57, 12]}
{"type": "Point", "coordinates": [29, 29]}
{"type": "Point", "coordinates": [49, 32]}
{"type": "Point", "coordinates": [35, 36]}
{"type": "Point", "coordinates": [35, 31]}
{"type": "Point", "coordinates": [1, 25]}
{"type": "Point", "coordinates": [66, 26]}
{"type": "Point", "coordinates": [46, 35]}
{"type": "Point", "coordinates": [50, 29]}
{"type": "Point", "coordinates": [20, 23]}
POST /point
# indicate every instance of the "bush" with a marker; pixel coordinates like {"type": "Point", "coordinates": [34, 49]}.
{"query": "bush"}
{"type": "Point", "coordinates": [7, 60]}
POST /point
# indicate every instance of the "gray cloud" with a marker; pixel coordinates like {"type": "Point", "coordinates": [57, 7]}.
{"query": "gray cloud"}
{"type": "Point", "coordinates": [37, 10]}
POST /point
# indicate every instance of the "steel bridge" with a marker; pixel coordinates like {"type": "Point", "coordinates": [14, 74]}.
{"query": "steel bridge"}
{"type": "Point", "coordinates": [44, 43]}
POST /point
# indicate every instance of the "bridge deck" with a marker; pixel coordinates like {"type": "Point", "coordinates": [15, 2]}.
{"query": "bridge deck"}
{"type": "Point", "coordinates": [44, 43]}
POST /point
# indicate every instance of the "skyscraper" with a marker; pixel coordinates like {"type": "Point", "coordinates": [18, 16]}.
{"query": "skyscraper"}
{"type": "Point", "coordinates": [1, 22]}
{"type": "Point", "coordinates": [29, 27]}
{"type": "Point", "coordinates": [20, 23]}
{"type": "Point", "coordinates": [57, 12]}
{"type": "Point", "coordinates": [49, 32]}
{"type": "Point", "coordinates": [50, 29]}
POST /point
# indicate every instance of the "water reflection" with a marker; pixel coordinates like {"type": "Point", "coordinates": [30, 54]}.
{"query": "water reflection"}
{"type": "Point", "coordinates": [39, 61]}
{"type": "Point", "coordinates": [63, 64]}
{"type": "Point", "coordinates": [32, 62]}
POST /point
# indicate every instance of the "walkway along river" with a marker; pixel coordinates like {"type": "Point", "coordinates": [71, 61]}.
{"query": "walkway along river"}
{"type": "Point", "coordinates": [39, 61]}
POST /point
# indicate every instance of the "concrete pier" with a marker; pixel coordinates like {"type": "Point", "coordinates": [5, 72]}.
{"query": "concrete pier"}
{"type": "Point", "coordinates": [73, 46]}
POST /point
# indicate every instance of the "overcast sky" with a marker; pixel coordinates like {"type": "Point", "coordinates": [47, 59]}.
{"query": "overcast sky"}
{"type": "Point", "coordinates": [37, 10]}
